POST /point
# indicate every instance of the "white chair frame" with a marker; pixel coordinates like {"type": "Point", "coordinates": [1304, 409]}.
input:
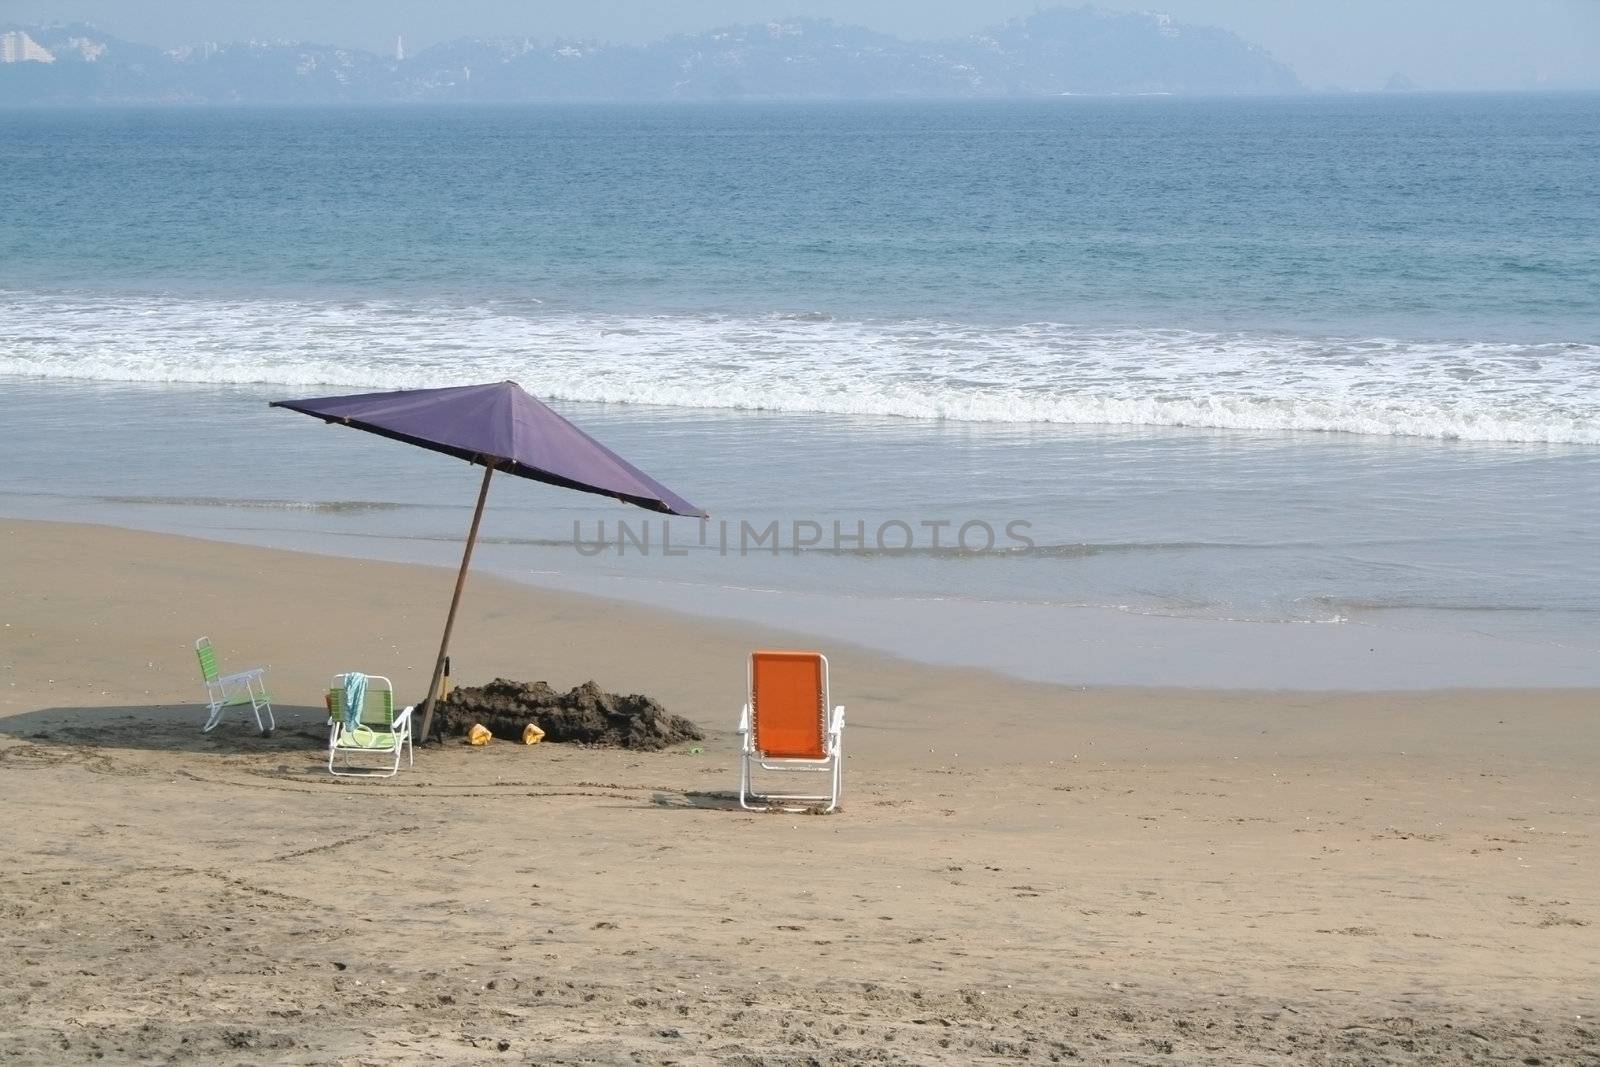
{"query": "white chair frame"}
{"type": "Point", "coordinates": [224, 691]}
{"type": "Point", "coordinates": [400, 729]}
{"type": "Point", "coordinates": [832, 763]}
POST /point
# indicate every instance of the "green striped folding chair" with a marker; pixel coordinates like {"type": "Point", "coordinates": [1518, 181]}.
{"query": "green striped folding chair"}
{"type": "Point", "coordinates": [232, 690]}
{"type": "Point", "coordinates": [378, 731]}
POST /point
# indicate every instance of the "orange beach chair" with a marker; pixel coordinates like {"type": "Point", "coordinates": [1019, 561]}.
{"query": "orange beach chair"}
{"type": "Point", "coordinates": [787, 727]}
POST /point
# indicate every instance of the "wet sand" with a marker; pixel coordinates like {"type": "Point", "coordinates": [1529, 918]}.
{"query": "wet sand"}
{"type": "Point", "coordinates": [1021, 872]}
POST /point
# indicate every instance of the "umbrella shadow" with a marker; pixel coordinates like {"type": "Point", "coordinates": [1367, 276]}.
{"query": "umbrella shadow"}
{"type": "Point", "coordinates": [168, 728]}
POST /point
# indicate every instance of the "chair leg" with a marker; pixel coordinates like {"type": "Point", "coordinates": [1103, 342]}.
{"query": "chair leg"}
{"type": "Point", "coordinates": [255, 708]}
{"type": "Point", "coordinates": [830, 797]}
{"type": "Point", "coordinates": [838, 773]}
{"type": "Point", "coordinates": [744, 782]}
{"type": "Point", "coordinates": [344, 768]}
{"type": "Point", "coordinates": [266, 705]}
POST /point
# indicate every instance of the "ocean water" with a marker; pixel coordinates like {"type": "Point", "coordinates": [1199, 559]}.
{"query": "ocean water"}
{"type": "Point", "coordinates": [1314, 376]}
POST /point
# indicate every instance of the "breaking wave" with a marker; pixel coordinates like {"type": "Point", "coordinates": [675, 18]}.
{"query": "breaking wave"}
{"type": "Point", "coordinates": [921, 369]}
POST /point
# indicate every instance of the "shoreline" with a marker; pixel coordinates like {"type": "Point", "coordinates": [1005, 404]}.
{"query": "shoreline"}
{"type": "Point", "coordinates": [1021, 871]}
{"type": "Point", "coordinates": [551, 603]}
{"type": "Point", "coordinates": [1378, 564]}
{"type": "Point", "coordinates": [1110, 647]}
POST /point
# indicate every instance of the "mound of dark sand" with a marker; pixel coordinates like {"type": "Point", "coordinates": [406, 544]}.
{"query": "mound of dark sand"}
{"type": "Point", "coordinates": [586, 715]}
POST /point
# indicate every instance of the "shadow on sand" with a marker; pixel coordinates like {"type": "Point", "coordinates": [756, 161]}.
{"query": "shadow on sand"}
{"type": "Point", "coordinates": [726, 800]}
{"type": "Point", "coordinates": [296, 751]}
{"type": "Point", "coordinates": [696, 801]}
{"type": "Point", "coordinates": [169, 728]}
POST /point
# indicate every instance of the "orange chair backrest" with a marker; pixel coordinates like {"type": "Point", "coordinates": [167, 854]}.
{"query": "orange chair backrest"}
{"type": "Point", "coordinates": [789, 704]}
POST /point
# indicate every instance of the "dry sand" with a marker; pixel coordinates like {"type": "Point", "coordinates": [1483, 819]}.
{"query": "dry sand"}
{"type": "Point", "coordinates": [1021, 872]}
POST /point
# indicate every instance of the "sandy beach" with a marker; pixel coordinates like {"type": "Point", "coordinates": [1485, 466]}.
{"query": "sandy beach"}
{"type": "Point", "coordinates": [1021, 872]}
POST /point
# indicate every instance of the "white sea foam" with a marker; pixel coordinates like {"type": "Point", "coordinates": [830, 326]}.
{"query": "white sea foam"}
{"type": "Point", "coordinates": [1036, 372]}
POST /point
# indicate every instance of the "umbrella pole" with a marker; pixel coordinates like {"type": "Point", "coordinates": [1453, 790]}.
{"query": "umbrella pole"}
{"type": "Point", "coordinates": [455, 601]}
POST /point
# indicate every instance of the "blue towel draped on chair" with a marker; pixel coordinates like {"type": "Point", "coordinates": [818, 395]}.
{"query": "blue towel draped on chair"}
{"type": "Point", "coordinates": [355, 695]}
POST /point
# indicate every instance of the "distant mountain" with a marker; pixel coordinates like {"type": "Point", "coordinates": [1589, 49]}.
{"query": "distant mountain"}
{"type": "Point", "coordinates": [799, 59]}
{"type": "Point", "coordinates": [1052, 52]}
{"type": "Point", "coordinates": [76, 63]}
{"type": "Point", "coordinates": [1083, 50]}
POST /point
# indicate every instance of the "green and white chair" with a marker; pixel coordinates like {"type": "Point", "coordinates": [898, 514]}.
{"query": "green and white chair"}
{"type": "Point", "coordinates": [378, 731]}
{"type": "Point", "coordinates": [225, 691]}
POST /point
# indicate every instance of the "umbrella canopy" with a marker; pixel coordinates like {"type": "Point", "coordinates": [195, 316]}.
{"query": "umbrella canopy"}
{"type": "Point", "coordinates": [503, 428]}
{"type": "Point", "coordinates": [498, 422]}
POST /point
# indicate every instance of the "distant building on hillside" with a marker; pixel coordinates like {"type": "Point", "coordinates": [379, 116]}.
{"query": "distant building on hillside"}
{"type": "Point", "coordinates": [18, 47]}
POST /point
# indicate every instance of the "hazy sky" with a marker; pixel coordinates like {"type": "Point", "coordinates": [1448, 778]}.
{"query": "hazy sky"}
{"type": "Point", "coordinates": [1357, 44]}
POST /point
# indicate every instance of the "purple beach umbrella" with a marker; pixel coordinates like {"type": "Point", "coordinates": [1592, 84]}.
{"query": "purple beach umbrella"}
{"type": "Point", "coordinates": [502, 428]}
